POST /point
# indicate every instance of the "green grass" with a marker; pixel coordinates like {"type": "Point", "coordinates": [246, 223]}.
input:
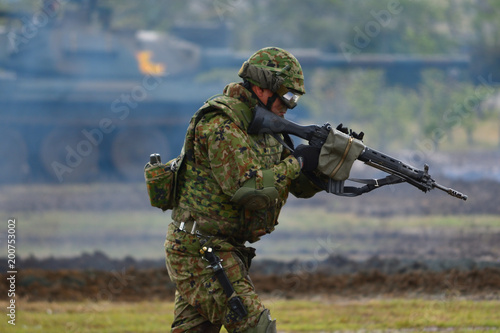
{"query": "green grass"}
{"type": "Point", "coordinates": [292, 316]}
{"type": "Point", "coordinates": [92, 317]}
{"type": "Point", "coordinates": [385, 314]}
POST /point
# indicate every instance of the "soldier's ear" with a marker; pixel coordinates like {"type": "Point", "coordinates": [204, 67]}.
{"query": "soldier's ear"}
{"type": "Point", "coordinates": [258, 91]}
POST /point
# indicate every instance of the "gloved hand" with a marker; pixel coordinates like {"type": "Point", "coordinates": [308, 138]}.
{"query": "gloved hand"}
{"type": "Point", "coordinates": [308, 157]}
{"type": "Point", "coordinates": [350, 132]}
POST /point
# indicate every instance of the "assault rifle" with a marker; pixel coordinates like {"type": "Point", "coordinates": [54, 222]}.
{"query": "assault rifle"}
{"type": "Point", "coordinates": [399, 172]}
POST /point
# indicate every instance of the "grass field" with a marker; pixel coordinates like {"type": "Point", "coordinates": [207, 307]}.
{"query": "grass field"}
{"type": "Point", "coordinates": [315, 315]}
{"type": "Point", "coordinates": [141, 234]}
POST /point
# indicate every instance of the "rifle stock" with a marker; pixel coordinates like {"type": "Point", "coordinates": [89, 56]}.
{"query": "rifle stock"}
{"type": "Point", "coordinates": [265, 121]}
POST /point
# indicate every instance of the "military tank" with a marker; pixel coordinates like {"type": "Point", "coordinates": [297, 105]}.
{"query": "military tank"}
{"type": "Point", "coordinates": [81, 101]}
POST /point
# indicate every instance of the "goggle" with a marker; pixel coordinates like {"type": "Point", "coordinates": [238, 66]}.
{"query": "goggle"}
{"type": "Point", "coordinates": [288, 97]}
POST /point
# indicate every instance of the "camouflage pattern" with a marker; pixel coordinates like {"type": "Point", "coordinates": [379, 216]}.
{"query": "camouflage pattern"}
{"type": "Point", "coordinates": [160, 182]}
{"type": "Point", "coordinates": [199, 292]}
{"type": "Point", "coordinates": [219, 158]}
{"type": "Point", "coordinates": [272, 62]}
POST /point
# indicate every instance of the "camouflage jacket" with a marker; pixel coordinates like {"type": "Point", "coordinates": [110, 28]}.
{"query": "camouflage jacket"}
{"type": "Point", "coordinates": [219, 157]}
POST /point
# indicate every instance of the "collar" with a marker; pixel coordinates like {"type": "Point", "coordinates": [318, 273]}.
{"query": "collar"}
{"type": "Point", "coordinates": [236, 90]}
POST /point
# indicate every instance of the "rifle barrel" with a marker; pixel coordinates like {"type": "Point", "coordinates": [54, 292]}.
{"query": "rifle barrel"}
{"type": "Point", "coordinates": [450, 191]}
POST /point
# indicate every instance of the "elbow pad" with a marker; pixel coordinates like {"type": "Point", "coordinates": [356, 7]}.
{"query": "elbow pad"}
{"type": "Point", "coordinates": [252, 198]}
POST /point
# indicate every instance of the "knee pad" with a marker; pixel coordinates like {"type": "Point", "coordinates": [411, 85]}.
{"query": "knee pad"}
{"type": "Point", "coordinates": [265, 324]}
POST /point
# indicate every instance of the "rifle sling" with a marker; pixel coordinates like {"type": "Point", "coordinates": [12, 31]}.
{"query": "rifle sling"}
{"type": "Point", "coordinates": [286, 141]}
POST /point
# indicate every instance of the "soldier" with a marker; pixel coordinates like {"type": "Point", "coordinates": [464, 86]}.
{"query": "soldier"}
{"type": "Point", "coordinates": [231, 188]}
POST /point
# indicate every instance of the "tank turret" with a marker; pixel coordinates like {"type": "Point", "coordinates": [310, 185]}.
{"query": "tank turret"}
{"type": "Point", "coordinates": [82, 101]}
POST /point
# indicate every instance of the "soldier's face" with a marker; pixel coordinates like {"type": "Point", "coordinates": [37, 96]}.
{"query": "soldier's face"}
{"type": "Point", "coordinates": [278, 108]}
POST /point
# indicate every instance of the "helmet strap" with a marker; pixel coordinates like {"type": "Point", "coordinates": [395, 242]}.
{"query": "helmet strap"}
{"type": "Point", "coordinates": [271, 100]}
{"type": "Point", "coordinates": [248, 86]}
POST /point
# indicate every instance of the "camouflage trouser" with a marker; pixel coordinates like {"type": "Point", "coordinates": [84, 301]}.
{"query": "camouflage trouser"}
{"type": "Point", "coordinates": [200, 302]}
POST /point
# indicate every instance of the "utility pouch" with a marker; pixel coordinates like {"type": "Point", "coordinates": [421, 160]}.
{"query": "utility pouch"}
{"type": "Point", "coordinates": [251, 198]}
{"type": "Point", "coordinates": [338, 154]}
{"type": "Point", "coordinates": [161, 181]}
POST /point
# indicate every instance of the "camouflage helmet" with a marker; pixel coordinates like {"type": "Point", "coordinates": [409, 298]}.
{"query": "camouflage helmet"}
{"type": "Point", "coordinates": [277, 70]}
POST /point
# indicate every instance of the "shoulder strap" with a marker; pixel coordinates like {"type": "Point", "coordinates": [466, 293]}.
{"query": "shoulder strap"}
{"type": "Point", "coordinates": [236, 110]}
{"type": "Point", "coordinates": [206, 108]}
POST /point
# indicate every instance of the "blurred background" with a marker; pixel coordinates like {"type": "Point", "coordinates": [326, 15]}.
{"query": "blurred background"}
{"type": "Point", "coordinates": [89, 88]}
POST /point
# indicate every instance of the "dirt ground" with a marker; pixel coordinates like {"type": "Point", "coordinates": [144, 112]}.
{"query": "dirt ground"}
{"type": "Point", "coordinates": [138, 285]}
{"type": "Point", "coordinates": [337, 276]}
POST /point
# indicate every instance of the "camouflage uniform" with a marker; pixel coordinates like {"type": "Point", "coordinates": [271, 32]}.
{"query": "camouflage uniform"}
{"type": "Point", "coordinates": [219, 158]}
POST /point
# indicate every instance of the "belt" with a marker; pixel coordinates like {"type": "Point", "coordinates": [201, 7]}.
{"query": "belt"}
{"type": "Point", "coordinates": [190, 227]}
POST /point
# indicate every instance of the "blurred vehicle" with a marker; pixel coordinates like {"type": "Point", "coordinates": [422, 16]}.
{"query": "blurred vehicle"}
{"type": "Point", "coordinates": [81, 101]}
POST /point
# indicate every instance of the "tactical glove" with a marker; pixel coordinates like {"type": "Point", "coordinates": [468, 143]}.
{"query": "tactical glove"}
{"type": "Point", "coordinates": [350, 132]}
{"type": "Point", "coordinates": [307, 156]}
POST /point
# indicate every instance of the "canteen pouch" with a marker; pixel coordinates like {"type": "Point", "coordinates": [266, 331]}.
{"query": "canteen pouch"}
{"type": "Point", "coordinates": [338, 154]}
{"type": "Point", "coordinates": [161, 182]}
